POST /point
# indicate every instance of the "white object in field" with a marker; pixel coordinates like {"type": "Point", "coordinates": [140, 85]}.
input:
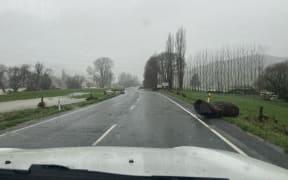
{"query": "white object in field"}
{"type": "Point", "coordinates": [209, 97]}
{"type": "Point", "coordinates": [179, 161]}
{"type": "Point", "coordinates": [159, 86]}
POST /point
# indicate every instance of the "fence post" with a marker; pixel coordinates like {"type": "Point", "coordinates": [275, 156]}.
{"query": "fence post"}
{"type": "Point", "coordinates": [59, 105]}
{"type": "Point", "coordinates": [260, 117]}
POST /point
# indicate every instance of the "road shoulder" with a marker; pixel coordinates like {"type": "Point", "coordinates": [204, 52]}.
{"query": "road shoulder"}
{"type": "Point", "coordinates": [250, 144]}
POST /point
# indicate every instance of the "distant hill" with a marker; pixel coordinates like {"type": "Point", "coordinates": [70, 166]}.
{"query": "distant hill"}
{"type": "Point", "coordinates": [268, 59]}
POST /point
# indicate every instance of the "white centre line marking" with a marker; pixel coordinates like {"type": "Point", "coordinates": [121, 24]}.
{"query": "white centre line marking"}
{"type": "Point", "coordinates": [207, 126]}
{"type": "Point", "coordinates": [103, 135]}
{"type": "Point", "coordinates": [132, 107]}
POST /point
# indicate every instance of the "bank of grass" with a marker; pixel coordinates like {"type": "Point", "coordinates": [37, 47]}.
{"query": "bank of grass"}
{"type": "Point", "coordinates": [13, 118]}
{"type": "Point", "coordinates": [46, 93]}
{"type": "Point", "coordinates": [274, 129]}
{"type": "Point", "coordinates": [94, 93]}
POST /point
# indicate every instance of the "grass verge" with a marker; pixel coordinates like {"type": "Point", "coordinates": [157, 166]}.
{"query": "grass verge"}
{"type": "Point", "coordinates": [274, 129]}
{"type": "Point", "coordinates": [10, 119]}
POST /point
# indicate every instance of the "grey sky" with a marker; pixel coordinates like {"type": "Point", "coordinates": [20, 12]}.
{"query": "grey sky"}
{"type": "Point", "coordinates": [70, 34]}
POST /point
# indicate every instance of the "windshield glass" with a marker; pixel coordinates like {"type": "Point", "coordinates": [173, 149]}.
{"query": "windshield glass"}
{"type": "Point", "coordinates": [146, 74]}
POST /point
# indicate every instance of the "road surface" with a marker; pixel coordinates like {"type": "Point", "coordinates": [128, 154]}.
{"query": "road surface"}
{"type": "Point", "coordinates": [137, 118]}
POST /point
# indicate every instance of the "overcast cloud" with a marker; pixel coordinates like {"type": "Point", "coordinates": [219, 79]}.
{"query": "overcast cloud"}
{"type": "Point", "coordinates": [70, 34]}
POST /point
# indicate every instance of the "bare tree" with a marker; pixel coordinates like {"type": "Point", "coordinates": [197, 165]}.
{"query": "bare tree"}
{"type": "Point", "coordinates": [101, 71]}
{"type": "Point", "coordinates": [39, 78]}
{"type": "Point", "coordinates": [3, 78]}
{"type": "Point", "coordinates": [228, 68]}
{"type": "Point", "coordinates": [39, 68]}
{"type": "Point", "coordinates": [170, 60]}
{"type": "Point", "coordinates": [14, 74]}
{"type": "Point", "coordinates": [127, 80]}
{"type": "Point", "coordinates": [163, 66]}
{"type": "Point", "coordinates": [180, 47]}
{"type": "Point", "coordinates": [25, 73]}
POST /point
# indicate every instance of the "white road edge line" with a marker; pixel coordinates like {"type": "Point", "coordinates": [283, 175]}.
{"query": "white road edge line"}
{"type": "Point", "coordinates": [207, 126]}
{"type": "Point", "coordinates": [48, 120]}
{"type": "Point", "coordinates": [105, 134]}
{"type": "Point", "coordinates": [132, 107]}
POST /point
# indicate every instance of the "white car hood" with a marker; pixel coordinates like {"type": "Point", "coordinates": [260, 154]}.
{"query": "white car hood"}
{"type": "Point", "coordinates": [179, 161]}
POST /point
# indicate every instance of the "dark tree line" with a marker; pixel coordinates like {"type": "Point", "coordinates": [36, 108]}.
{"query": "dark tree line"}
{"type": "Point", "coordinates": [168, 66]}
{"type": "Point", "coordinates": [71, 82]}
{"type": "Point", "coordinates": [275, 79]}
{"type": "Point", "coordinates": [25, 76]}
{"type": "Point", "coordinates": [36, 77]}
{"type": "Point", "coordinates": [3, 77]}
{"type": "Point", "coordinates": [151, 73]}
{"type": "Point", "coordinates": [74, 82]}
{"type": "Point", "coordinates": [127, 80]}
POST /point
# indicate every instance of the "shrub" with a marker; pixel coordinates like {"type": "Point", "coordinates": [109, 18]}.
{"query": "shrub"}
{"type": "Point", "coordinates": [91, 97]}
{"type": "Point", "coordinates": [41, 104]}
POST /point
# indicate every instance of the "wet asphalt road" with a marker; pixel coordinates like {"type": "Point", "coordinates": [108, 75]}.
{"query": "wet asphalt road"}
{"type": "Point", "coordinates": [137, 118]}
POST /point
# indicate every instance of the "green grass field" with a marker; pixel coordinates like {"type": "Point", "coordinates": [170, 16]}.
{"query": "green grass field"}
{"type": "Point", "coordinates": [13, 118]}
{"type": "Point", "coordinates": [46, 93]}
{"type": "Point", "coordinates": [274, 129]}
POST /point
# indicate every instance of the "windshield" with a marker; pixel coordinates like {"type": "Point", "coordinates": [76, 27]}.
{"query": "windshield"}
{"type": "Point", "coordinates": [146, 74]}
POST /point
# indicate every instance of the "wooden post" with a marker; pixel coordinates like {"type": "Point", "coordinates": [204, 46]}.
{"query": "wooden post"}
{"type": "Point", "coordinates": [260, 117]}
